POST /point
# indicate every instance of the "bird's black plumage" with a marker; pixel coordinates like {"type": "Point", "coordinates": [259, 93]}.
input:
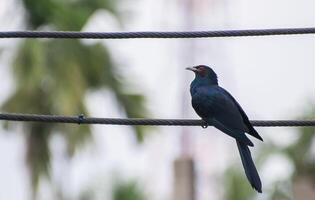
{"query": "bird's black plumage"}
{"type": "Point", "coordinates": [218, 107]}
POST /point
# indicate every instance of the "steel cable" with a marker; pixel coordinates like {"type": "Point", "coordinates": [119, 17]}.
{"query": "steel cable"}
{"type": "Point", "coordinates": [80, 119]}
{"type": "Point", "coordinates": [151, 34]}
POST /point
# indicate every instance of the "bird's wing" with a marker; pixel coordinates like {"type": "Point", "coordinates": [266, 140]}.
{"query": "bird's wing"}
{"type": "Point", "coordinates": [246, 121]}
{"type": "Point", "coordinates": [237, 134]}
{"type": "Point", "coordinates": [218, 109]}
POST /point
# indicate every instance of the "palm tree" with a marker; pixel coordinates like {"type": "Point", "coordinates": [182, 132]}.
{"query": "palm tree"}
{"type": "Point", "coordinates": [53, 76]}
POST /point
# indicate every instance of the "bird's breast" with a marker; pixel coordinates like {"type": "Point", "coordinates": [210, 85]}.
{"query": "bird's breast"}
{"type": "Point", "coordinates": [202, 105]}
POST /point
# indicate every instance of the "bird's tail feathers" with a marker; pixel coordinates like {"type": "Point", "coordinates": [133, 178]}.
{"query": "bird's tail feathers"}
{"type": "Point", "coordinates": [249, 166]}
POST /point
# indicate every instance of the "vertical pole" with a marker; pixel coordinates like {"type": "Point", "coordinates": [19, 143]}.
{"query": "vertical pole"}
{"type": "Point", "coordinates": [184, 177]}
{"type": "Point", "coordinates": [303, 188]}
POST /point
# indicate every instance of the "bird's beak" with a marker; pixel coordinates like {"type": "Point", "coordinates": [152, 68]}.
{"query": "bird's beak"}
{"type": "Point", "coordinates": [191, 69]}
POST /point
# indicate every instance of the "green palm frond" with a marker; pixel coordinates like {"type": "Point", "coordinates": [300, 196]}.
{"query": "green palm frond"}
{"type": "Point", "coordinates": [53, 77]}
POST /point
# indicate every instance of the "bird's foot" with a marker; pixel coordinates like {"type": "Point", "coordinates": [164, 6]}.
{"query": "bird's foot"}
{"type": "Point", "coordinates": [204, 125]}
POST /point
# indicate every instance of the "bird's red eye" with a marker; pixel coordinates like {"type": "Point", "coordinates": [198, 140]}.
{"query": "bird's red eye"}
{"type": "Point", "coordinates": [202, 70]}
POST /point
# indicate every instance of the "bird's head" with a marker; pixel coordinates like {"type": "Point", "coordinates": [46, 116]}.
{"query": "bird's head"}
{"type": "Point", "coordinates": [205, 73]}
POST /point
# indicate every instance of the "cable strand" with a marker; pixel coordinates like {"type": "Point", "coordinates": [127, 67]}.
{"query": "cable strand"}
{"type": "Point", "coordinates": [150, 34]}
{"type": "Point", "coordinates": [80, 119]}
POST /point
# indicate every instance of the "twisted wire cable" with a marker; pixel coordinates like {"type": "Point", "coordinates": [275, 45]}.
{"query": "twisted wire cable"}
{"type": "Point", "coordinates": [151, 34]}
{"type": "Point", "coordinates": [80, 119]}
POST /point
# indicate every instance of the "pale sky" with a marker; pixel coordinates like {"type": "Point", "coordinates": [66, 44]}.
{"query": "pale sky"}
{"type": "Point", "coordinates": [271, 77]}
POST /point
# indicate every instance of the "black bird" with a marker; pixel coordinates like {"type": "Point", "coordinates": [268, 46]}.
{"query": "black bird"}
{"type": "Point", "coordinates": [217, 107]}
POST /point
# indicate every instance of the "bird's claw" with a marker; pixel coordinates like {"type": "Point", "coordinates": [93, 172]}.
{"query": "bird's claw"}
{"type": "Point", "coordinates": [81, 118]}
{"type": "Point", "coordinates": [204, 125]}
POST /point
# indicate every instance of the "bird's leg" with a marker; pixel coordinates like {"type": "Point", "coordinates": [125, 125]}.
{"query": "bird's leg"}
{"type": "Point", "coordinates": [205, 124]}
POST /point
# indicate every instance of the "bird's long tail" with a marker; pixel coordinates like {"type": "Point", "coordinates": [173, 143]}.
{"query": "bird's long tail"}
{"type": "Point", "coordinates": [249, 166]}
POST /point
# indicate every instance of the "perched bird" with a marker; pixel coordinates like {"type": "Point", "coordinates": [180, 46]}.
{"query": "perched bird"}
{"type": "Point", "coordinates": [217, 107]}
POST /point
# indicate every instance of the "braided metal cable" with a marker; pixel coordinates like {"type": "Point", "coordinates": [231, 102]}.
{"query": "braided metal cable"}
{"type": "Point", "coordinates": [80, 119]}
{"type": "Point", "coordinates": [150, 34]}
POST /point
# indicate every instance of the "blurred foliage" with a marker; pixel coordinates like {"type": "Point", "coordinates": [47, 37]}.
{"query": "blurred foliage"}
{"type": "Point", "coordinates": [53, 76]}
{"type": "Point", "coordinates": [127, 191]}
{"type": "Point", "coordinates": [68, 15]}
{"type": "Point", "coordinates": [119, 190]}
{"type": "Point", "coordinates": [236, 185]}
{"type": "Point", "coordinates": [281, 191]}
{"type": "Point", "coordinates": [300, 152]}
{"type": "Point", "coordinates": [301, 155]}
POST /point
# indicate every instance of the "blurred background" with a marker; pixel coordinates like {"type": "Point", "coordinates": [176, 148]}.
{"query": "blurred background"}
{"type": "Point", "coordinates": [272, 78]}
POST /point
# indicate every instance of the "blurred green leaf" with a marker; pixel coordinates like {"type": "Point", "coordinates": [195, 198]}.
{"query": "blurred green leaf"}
{"type": "Point", "coordinates": [127, 191]}
{"type": "Point", "coordinates": [236, 186]}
